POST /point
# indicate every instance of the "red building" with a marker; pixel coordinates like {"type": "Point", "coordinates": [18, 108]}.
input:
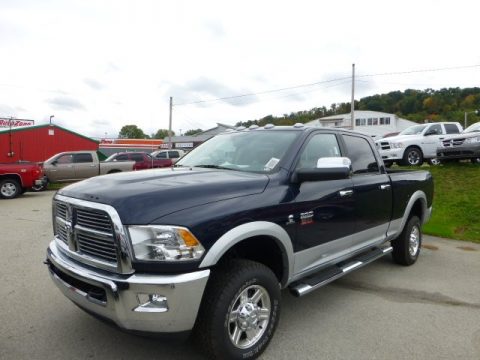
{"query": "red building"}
{"type": "Point", "coordinates": [38, 143]}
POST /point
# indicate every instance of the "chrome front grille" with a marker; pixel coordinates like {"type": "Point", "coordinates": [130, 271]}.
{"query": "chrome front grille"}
{"type": "Point", "coordinates": [93, 219]}
{"type": "Point", "coordinates": [384, 145]}
{"type": "Point", "coordinates": [86, 232]}
{"type": "Point", "coordinates": [453, 142]}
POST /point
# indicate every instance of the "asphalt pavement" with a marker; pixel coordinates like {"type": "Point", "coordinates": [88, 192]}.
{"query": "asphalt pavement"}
{"type": "Point", "coordinates": [430, 310]}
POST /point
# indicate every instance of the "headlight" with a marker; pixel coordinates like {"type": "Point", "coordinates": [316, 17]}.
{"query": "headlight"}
{"type": "Point", "coordinates": [472, 140]}
{"type": "Point", "coordinates": [396, 145]}
{"type": "Point", "coordinates": [164, 243]}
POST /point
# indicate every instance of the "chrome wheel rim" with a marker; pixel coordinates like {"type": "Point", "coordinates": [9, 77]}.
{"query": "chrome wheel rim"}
{"type": "Point", "coordinates": [249, 316]}
{"type": "Point", "coordinates": [413, 157]}
{"type": "Point", "coordinates": [414, 241]}
{"type": "Point", "coordinates": [8, 189]}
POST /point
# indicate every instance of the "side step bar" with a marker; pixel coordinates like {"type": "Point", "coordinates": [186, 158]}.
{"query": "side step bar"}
{"type": "Point", "coordinates": [329, 274]}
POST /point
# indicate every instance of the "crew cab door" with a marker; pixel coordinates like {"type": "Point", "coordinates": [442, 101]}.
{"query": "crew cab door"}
{"type": "Point", "coordinates": [323, 210]}
{"type": "Point", "coordinates": [61, 168]}
{"type": "Point", "coordinates": [432, 136]}
{"type": "Point", "coordinates": [84, 166]}
{"type": "Point", "coordinates": [372, 192]}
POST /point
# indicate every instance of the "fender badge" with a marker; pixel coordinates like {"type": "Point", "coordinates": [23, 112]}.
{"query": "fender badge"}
{"type": "Point", "coordinates": [291, 220]}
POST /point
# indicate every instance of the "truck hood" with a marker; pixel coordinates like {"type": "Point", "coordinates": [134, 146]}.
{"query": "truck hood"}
{"type": "Point", "coordinates": [462, 136]}
{"type": "Point", "coordinates": [398, 138]}
{"type": "Point", "coordinates": [143, 196]}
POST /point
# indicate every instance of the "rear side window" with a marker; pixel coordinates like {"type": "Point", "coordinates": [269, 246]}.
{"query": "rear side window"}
{"type": "Point", "coordinates": [451, 129]}
{"type": "Point", "coordinates": [162, 155]}
{"type": "Point", "coordinates": [361, 155]}
{"type": "Point", "coordinates": [137, 157]}
{"type": "Point", "coordinates": [82, 158]}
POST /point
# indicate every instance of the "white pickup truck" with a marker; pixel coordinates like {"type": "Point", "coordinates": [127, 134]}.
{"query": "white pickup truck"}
{"type": "Point", "coordinates": [416, 143]}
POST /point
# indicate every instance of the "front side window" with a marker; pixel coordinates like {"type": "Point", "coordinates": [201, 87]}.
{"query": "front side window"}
{"type": "Point", "coordinates": [435, 129]}
{"type": "Point", "coordinates": [173, 154]}
{"type": "Point", "coordinates": [250, 151]}
{"type": "Point", "coordinates": [65, 159]}
{"type": "Point", "coordinates": [361, 155]}
{"type": "Point", "coordinates": [318, 146]}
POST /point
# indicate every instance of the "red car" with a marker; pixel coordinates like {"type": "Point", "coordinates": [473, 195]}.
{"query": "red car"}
{"type": "Point", "coordinates": [17, 178]}
{"type": "Point", "coordinates": [142, 160]}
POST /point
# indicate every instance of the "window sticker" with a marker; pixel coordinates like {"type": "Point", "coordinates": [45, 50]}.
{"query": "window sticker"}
{"type": "Point", "coordinates": [271, 164]}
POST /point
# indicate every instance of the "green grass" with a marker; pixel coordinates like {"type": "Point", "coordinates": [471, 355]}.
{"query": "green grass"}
{"type": "Point", "coordinates": [56, 186]}
{"type": "Point", "coordinates": [456, 203]}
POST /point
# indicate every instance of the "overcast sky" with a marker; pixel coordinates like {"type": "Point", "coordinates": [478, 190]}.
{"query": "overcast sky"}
{"type": "Point", "coordinates": [99, 65]}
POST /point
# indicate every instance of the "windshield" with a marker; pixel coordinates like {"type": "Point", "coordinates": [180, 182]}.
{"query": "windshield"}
{"type": "Point", "coordinates": [252, 151]}
{"type": "Point", "coordinates": [473, 128]}
{"type": "Point", "coordinates": [413, 130]}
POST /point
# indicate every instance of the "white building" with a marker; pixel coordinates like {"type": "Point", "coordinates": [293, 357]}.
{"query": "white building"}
{"type": "Point", "coordinates": [373, 123]}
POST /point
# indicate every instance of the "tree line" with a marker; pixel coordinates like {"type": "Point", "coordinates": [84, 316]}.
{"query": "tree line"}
{"type": "Point", "coordinates": [448, 104]}
{"type": "Point", "coordinates": [134, 132]}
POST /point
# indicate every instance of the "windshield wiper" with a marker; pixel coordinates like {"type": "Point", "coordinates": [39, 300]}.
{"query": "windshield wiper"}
{"type": "Point", "coordinates": [211, 166]}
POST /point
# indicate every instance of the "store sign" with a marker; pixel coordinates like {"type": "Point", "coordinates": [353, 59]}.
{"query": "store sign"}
{"type": "Point", "coordinates": [14, 123]}
{"type": "Point", "coordinates": [184, 145]}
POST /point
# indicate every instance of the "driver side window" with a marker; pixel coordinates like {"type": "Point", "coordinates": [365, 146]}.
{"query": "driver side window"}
{"type": "Point", "coordinates": [319, 146]}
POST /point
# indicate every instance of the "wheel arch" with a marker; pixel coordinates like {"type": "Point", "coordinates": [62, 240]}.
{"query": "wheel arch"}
{"type": "Point", "coordinates": [12, 176]}
{"type": "Point", "coordinates": [261, 241]}
{"type": "Point", "coordinates": [417, 205]}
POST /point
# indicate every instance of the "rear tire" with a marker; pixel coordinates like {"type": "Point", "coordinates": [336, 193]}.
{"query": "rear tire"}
{"type": "Point", "coordinates": [475, 160]}
{"type": "Point", "coordinates": [239, 311]}
{"type": "Point", "coordinates": [9, 189]}
{"type": "Point", "coordinates": [406, 247]}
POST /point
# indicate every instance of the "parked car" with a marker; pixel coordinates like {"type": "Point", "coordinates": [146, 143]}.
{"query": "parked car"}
{"type": "Point", "coordinates": [415, 144]}
{"type": "Point", "coordinates": [142, 160]}
{"type": "Point", "coordinates": [17, 178]}
{"type": "Point", "coordinates": [462, 146]}
{"type": "Point", "coordinates": [209, 243]}
{"type": "Point", "coordinates": [79, 165]}
{"type": "Point", "coordinates": [173, 155]}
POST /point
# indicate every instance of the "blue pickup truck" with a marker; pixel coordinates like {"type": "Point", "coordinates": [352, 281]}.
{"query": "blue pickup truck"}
{"type": "Point", "coordinates": [209, 244]}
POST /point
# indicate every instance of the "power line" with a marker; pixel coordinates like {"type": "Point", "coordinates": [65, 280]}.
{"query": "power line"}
{"type": "Point", "coordinates": [263, 92]}
{"type": "Point", "coordinates": [328, 81]}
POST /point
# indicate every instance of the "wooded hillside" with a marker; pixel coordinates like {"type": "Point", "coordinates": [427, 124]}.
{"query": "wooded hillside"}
{"type": "Point", "coordinates": [416, 105]}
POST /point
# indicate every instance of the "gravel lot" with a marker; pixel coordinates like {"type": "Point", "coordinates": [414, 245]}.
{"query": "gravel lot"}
{"type": "Point", "coordinates": [383, 311]}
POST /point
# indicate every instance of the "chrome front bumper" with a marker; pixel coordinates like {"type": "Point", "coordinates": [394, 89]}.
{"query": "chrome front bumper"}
{"type": "Point", "coordinates": [124, 299]}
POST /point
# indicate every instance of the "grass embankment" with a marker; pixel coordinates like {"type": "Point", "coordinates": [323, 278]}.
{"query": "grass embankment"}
{"type": "Point", "coordinates": [456, 203]}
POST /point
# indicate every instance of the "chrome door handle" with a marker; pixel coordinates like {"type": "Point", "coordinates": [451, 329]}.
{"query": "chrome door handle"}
{"type": "Point", "coordinates": [344, 193]}
{"type": "Point", "coordinates": [384, 186]}
{"type": "Point", "coordinates": [93, 165]}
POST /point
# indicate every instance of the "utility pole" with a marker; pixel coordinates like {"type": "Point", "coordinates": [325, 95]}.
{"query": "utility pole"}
{"type": "Point", "coordinates": [170, 125]}
{"type": "Point", "coordinates": [352, 106]}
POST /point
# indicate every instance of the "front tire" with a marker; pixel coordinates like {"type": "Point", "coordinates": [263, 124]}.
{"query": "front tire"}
{"type": "Point", "coordinates": [413, 156]}
{"type": "Point", "coordinates": [239, 312]}
{"type": "Point", "coordinates": [9, 189]}
{"type": "Point", "coordinates": [406, 247]}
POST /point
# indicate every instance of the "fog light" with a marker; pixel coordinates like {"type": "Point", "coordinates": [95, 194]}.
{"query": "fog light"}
{"type": "Point", "coordinates": [151, 303]}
